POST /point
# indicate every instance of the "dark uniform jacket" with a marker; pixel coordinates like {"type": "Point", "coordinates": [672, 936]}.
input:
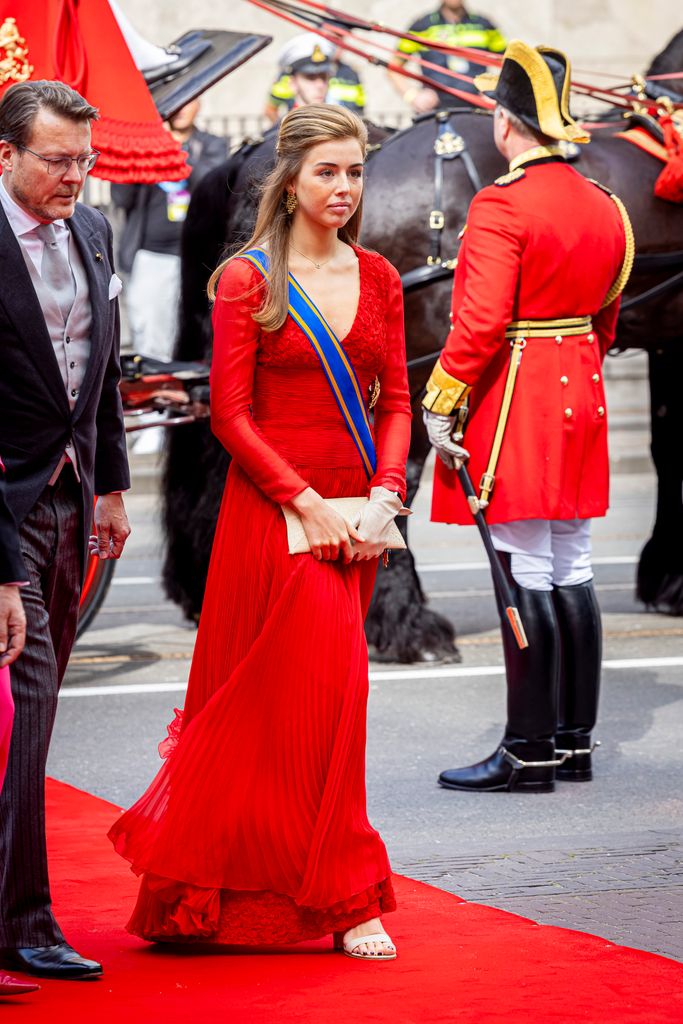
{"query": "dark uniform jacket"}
{"type": "Point", "coordinates": [204, 151]}
{"type": "Point", "coordinates": [473, 31]}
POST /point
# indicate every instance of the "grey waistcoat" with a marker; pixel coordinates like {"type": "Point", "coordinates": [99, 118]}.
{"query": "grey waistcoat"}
{"type": "Point", "coordinates": [70, 341]}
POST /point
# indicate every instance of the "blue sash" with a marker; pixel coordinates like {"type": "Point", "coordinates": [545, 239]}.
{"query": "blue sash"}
{"type": "Point", "coordinates": [333, 359]}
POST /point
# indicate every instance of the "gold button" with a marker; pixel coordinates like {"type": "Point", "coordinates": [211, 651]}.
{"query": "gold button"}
{"type": "Point", "coordinates": [596, 378]}
{"type": "Point", "coordinates": [558, 339]}
{"type": "Point", "coordinates": [568, 414]}
{"type": "Point", "coordinates": [601, 410]}
{"type": "Point", "coordinates": [591, 339]}
{"type": "Point", "coordinates": [564, 381]}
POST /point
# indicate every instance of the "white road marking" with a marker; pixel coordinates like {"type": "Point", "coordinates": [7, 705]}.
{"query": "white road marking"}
{"type": "Point", "coordinates": [124, 690]}
{"type": "Point", "coordinates": [454, 566]}
{"type": "Point", "coordinates": [132, 581]}
{"type": "Point", "coordinates": [376, 676]}
{"type": "Point", "coordinates": [488, 591]}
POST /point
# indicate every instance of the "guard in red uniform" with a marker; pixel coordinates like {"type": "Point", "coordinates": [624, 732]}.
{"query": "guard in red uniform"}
{"type": "Point", "coordinates": [544, 258]}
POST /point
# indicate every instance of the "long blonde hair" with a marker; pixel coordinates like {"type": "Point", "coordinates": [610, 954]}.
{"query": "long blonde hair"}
{"type": "Point", "coordinates": [301, 129]}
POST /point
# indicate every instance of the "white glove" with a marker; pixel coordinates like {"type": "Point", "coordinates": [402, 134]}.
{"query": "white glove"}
{"type": "Point", "coordinates": [379, 513]}
{"type": "Point", "coordinates": [440, 433]}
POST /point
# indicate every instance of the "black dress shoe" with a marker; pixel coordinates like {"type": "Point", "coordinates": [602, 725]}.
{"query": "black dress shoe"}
{"type": "Point", "coordinates": [508, 769]}
{"type": "Point", "coordinates": [60, 961]}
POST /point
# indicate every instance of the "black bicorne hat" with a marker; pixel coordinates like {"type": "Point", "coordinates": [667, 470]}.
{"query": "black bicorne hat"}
{"type": "Point", "coordinates": [533, 84]}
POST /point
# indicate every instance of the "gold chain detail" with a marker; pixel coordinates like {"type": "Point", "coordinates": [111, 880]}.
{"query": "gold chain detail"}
{"type": "Point", "coordinates": [627, 266]}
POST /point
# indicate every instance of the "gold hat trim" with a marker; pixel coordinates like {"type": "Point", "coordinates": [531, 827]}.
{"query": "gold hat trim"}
{"type": "Point", "coordinates": [566, 85]}
{"type": "Point", "coordinates": [552, 114]}
{"type": "Point", "coordinates": [318, 57]}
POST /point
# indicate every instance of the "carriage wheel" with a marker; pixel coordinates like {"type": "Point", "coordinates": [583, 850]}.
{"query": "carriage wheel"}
{"type": "Point", "coordinates": [98, 576]}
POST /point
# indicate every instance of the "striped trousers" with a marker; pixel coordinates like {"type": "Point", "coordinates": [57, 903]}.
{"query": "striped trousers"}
{"type": "Point", "coordinates": [51, 543]}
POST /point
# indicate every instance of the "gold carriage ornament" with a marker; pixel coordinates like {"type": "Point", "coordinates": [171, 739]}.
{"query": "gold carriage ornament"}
{"type": "Point", "coordinates": [14, 64]}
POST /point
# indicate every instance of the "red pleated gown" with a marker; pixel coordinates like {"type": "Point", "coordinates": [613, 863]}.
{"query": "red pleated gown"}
{"type": "Point", "coordinates": [255, 830]}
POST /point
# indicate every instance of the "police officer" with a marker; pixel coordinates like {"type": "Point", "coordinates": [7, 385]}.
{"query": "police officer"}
{"type": "Point", "coordinates": [312, 73]}
{"type": "Point", "coordinates": [451, 23]}
{"type": "Point", "coordinates": [544, 257]}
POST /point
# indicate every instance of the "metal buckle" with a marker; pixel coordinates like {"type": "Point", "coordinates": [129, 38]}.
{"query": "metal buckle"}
{"type": "Point", "coordinates": [518, 764]}
{"type": "Point", "coordinates": [583, 750]}
{"type": "Point", "coordinates": [486, 483]}
{"type": "Point", "coordinates": [448, 144]}
{"type": "Point", "coordinates": [437, 220]}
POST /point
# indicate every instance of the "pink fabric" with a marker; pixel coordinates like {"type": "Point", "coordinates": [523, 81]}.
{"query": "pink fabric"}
{"type": "Point", "coordinates": [6, 719]}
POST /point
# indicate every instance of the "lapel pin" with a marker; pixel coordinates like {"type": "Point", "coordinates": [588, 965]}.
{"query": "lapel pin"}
{"type": "Point", "coordinates": [98, 257]}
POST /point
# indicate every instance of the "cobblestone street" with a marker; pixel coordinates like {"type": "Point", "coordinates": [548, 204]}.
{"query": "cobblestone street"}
{"type": "Point", "coordinates": [630, 892]}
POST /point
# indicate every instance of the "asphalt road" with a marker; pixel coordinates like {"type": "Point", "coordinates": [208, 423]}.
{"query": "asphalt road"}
{"type": "Point", "coordinates": [129, 671]}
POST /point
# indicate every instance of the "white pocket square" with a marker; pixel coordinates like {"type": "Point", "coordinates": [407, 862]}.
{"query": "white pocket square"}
{"type": "Point", "coordinates": [115, 286]}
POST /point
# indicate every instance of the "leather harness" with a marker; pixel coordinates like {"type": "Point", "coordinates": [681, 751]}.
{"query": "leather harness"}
{"type": "Point", "coordinates": [450, 145]}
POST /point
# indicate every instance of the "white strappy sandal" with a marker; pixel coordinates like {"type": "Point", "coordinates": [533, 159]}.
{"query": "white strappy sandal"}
{"type": "Point", "coordinates": [349, 946]}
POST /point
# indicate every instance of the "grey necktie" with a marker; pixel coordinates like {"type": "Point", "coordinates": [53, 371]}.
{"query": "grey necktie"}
{"type": "Point", "coordinates": [55, 270]}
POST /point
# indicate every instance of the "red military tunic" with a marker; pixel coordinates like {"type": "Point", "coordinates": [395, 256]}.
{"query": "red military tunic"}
{"type": "Point", "coordinates": [547, 245]}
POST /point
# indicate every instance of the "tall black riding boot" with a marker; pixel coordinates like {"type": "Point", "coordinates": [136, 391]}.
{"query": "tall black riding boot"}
{"type": "Point", "coordinates": [578, 617]}
{"type": "Point", "coordinates": [525, 759]}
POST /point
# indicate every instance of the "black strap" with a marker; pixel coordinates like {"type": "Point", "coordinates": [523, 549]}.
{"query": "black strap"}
{"type": "Point", "coordinates": [671, 284]}
{"type": "Point", "coordinates": [658, 260]}
{"type": "Point", "coordinates": [448, 145]}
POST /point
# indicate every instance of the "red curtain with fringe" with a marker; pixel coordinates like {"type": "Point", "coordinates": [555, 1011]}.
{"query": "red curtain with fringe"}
{"type": "Point", "coordinates": [79, 42]}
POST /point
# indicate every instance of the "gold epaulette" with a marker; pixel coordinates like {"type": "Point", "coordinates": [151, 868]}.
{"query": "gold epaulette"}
{"type": "Point", "coordinates": [507, 179]}
{"type": "Point", "coordinates": [599, 184]}
{"type": "Point", "coordinates": [629, 252]}
{"type": "Point", "coordinates": [444, 393]}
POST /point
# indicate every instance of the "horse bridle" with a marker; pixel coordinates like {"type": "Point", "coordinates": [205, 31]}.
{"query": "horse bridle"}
{"type": "Point", "coordinates": [449, 145]}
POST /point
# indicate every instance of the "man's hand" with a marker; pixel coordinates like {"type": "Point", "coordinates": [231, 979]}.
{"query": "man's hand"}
{"type": "Point", "coordinates": [12, 624]}
{"type": "Point", "coordinates": [111, 523]}
{"type": "Point", "coordinates": [425, 100]}
{"type": "Point", "coordinates": [440, 433]}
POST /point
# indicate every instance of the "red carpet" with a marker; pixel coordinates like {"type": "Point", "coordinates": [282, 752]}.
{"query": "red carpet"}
{"type": "Point", "coordinates": [458, 962]}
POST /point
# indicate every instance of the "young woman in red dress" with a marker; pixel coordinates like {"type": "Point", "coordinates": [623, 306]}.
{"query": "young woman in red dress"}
{"type": "Point", "coordinates": [255, 830]}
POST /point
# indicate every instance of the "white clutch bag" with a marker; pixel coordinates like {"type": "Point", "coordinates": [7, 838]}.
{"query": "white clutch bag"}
{"type": "Point", "coordinates": [350, 510]}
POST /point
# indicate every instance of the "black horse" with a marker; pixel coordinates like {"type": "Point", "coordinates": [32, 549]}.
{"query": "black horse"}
{"type": "Point", "coordinates": [401, 195]}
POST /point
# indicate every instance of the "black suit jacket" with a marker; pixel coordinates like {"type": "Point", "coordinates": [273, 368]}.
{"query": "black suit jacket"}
{"type": "Point", "coordinates": [12, 568]}
{"type": "Point", "coordinates": [35, 419]}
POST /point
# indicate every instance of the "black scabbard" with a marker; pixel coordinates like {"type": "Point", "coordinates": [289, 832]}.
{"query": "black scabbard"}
{"type": "Point", "coordinates": [500, 581]}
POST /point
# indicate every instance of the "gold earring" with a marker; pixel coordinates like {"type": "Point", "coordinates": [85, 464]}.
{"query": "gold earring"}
{"type": "Point", "coordinates": [291, 202]}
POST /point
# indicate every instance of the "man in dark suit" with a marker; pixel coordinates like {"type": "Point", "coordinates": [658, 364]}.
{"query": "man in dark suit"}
{"type": "Point", "coordinates": [62, 439]}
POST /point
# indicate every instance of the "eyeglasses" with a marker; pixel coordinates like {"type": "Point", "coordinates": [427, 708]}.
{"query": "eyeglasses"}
{"type": "Point", "coordinates": [62, 165]}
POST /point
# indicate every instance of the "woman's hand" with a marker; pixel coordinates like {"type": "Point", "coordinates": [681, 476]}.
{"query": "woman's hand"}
{"type": "Point", "coordinates": [329, 536]}
{"type": "Point", "coordinates": [375, 519]}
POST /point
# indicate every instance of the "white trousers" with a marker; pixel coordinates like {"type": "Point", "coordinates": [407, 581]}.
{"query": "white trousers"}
{"type": "Point", "coordinates": [546, 553]}
{"type": "Point", "coordinates": [153, 302]}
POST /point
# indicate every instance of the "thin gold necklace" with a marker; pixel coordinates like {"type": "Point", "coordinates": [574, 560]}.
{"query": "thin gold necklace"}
{"type": "Point", "coordinates": [316, 265]}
